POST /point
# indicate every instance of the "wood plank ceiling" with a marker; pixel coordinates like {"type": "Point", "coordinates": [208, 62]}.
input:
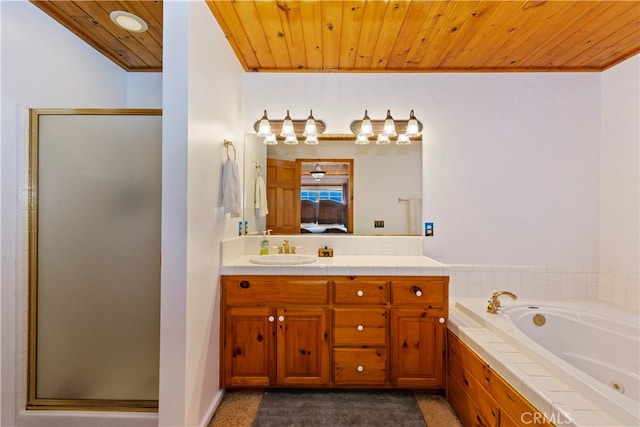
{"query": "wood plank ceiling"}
{"type": "Point", "coordinates": [381, 36]}
{"type": "Point", "coordinates": [90, 21]}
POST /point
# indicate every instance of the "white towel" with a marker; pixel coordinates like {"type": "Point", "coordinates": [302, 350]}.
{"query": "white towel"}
{"type": "Point", "coordinates": [415, 215]}
{"type": "Point", "coordinates": [260, 197]}
{"type": "Point", "coordinates": [231, 188]}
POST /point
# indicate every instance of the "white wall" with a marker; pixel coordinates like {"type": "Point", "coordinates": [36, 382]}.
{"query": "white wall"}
{"type": "Point", "coordinates": [202, 107]}
{"type": "Point", "coordinates": [620, 157]}
{"type": "Point", "coordinates": [43, 66]}
{"type": "Point", "coordinates": [620, 186]}
{"type": "Point", "coordinates": [510, 161]}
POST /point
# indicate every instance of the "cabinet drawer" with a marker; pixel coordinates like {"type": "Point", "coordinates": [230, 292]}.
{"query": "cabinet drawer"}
{"type": "Point", "coordinates": [429, 292]}
{"type": "Point", "coordinates": [360, 327]}
{"type": "Point", "coordinates": [359, 366]}
{"type": "Point", "coordinates": [275, 290]}
{"type": "Point", "coordinates": [360, 291]}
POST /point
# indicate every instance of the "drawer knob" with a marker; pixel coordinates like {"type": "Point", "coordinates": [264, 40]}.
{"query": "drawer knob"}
{"type": "Point", "coordinates": [245, 284]}
{"type": "Point", "coordinates": [281, 318]}
{"type": "Point", "coordinates": [441, 320]}
{"type": "Point", "coordinates": [360, 328]}
{"type": "Point", "coordinates": [271, 319]}
{"type": "Point", "coordinates": [360, 293]}
{"type": "Point", "coordinates": [417, 291]}
{"type": "Point", "coordinates": [360, 368]}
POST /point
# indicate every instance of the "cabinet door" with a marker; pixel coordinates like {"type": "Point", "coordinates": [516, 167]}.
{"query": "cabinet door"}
{"type": "Point", "coordinates": [249, 346]}
{"type": "Point", "coordinates": [417, 349]}
{"type": "Point", "coordinates": [303, 346]}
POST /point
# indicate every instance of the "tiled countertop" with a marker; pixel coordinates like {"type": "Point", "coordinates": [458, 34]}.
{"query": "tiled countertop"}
{"type": "Point", "coordinates": [362, 265]}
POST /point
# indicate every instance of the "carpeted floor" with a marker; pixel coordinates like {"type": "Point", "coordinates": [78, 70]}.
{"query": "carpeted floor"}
{"type": "Point", "coordinates": [239, 408]}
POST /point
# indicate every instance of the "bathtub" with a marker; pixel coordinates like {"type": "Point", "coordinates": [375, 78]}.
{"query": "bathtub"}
{"type": "Point", "coordinates": [592, 348]}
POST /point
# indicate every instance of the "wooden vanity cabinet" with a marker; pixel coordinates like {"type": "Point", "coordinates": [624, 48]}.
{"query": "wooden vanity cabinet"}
{"type": "Point", "coordinates": [340, 331]}
{"type": "Point", "coordinates": [419, 309]}
{"type": "Point", "coordinates": [276, 332]}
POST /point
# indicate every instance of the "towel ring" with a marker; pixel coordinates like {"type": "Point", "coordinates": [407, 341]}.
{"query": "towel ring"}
{"type": "Point", "coordinates": [258, 168]}
{"type": "Point", "coordinates": [228, 143]}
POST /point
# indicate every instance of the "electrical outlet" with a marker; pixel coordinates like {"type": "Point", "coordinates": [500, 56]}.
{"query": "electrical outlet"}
{"type": "Point", "coordinates": [378, 223]}
{"type": "Point", "coordinates": [428, 229]}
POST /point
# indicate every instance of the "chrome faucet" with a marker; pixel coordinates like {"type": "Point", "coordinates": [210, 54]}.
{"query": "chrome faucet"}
{"type": "Point", "coordinates": [494, 302]}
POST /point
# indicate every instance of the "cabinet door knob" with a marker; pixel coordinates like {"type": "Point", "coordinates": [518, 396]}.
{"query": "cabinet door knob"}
{"type": "Point", "coordinates": [271, 319]}
{"type": "Point", "coordinates": [360, 293]}
{"type": "Point", "coordinates": [360, 328]}
{"type": "Point", "coordinates": [245, 284]}
{"type": "Point", "coordinates": [360, 368]}
{"type": "Point", "coordinates": [417, 291]}
{"type": "Point", "coordinates": [441, 320]}
{"type": "Point", "coordinates": [281, 318]}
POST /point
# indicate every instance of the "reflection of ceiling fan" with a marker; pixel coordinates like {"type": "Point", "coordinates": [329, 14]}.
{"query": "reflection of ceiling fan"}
{"type": "Point", "coordinates": [317, 172]}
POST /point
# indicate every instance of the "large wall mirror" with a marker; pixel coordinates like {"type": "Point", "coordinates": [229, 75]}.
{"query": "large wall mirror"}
{"type": "Point", "coordinates": [379, 188]}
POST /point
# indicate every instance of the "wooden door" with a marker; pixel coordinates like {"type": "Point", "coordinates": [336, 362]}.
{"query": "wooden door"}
{"type": "Point", "coordinates": [283, 196]}
{"type": "Point", "coordinates": [417, 348]}
{"type": "Point", "coordinates": [249, 346]}
{"type": "Point", "coordinates": [303, 346]}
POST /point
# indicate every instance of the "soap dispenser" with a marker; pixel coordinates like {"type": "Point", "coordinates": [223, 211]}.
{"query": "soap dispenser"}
{"type": "Point", "coordinates": [264, 245]}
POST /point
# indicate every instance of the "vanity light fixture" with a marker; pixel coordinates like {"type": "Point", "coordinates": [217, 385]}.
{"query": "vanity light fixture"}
{"type": "Point", "coordinates": [289, 129]}
{"type": "Point", "coordinates": [317, 173]}
{"type": "Point", "coordinates": [387, 130]}
{"type": "Point", "coordinates": [128, 21]}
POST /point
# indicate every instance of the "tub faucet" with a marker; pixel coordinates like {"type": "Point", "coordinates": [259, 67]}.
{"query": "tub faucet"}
{"type": "Point", "coordinates": [494, 302]}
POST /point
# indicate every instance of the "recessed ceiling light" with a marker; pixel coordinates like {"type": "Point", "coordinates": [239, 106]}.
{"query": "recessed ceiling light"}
{"type": "Point", "coordinates": [128, 21]}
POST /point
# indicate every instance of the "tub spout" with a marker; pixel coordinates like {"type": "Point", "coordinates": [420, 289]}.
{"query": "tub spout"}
{"type": "Point", "coordinates": [494, 302]}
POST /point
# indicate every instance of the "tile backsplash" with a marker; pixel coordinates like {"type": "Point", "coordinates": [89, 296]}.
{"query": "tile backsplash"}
{"type": "Point", "coordinates": [342, 245]}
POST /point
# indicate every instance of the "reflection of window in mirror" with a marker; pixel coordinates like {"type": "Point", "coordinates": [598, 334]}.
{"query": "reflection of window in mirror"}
{"type": "Point", "coordinates": [326, 196]}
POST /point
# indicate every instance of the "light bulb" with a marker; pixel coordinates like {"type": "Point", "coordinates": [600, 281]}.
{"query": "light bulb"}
{"type": "Point", "coordinates": [389, 125]}
{"type": "Point", "coordinates": [287, 127]}
{"type": "Point", "coordinates": [361, 139]}
{"type": "Point", "coordinates": [265, 127]}
{"type": "Point", "coordinates": [382, 139]}
{"type": "Point", "coordinates": [291, 140]}
{"type": "Point", "coordinates": [270, 139]}
{"type": "Point", "coordinates": [413, 128]}
{"type": "Point", "coordinates": [365, 126]}
{"type": "Point", "coordinates": [310, 126]}
{"type": "Point", "coordinates": [403, 139]}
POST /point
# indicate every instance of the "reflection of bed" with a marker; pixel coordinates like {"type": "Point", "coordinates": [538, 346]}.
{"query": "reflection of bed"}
{"type": "Point", "coordinates": [326, 216]}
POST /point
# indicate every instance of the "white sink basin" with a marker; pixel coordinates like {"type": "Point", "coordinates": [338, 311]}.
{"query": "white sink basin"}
{"type": "Point", "coordinates": [282, 259]}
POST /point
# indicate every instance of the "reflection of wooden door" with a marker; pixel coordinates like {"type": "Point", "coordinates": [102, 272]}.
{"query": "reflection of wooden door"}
{"type": "Point", "coordinates": [283, 196]}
